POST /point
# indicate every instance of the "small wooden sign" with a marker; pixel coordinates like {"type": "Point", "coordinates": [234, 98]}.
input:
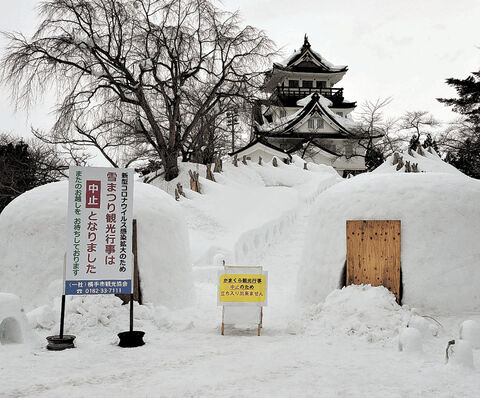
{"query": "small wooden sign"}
{"type": "Point", "coordinates": [242, 292]}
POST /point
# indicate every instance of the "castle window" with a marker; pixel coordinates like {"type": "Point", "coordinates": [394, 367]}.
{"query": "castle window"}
{"type": "Point", "coordinates": [340, 114]}
{"type": "Point", "coordinates": [293, 83]}
{"type": "Point", "coordinates": [307, 83]}
{"type": "Point", "coordinates": [348, 149]}
{"type": "Point", "coordinates": [315, 124]}
{"type": "Point", "coordinates": [321, 84]}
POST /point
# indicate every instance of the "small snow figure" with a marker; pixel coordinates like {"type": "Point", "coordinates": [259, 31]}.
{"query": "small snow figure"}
{"type": "Point", "coordinates": [410, 340]}
{"type": "Point", "coordinates": [459, 352]}
{"type": "Point", "coordinates": [219, 260]}
{"type": "Point", "coordinates": [470, 331]}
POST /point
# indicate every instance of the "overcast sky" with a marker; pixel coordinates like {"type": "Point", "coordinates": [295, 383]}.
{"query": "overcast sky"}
{"type": "Point", "coordinates": [402, 49]}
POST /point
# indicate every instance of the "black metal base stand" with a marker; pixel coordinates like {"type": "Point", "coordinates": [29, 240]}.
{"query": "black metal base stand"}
{"type": "Point", "coordinates": [132, 338]}
{"type": "Point", "coordinates": [57, 343]}
{"type": "Point", "coordinates": [61, 341]}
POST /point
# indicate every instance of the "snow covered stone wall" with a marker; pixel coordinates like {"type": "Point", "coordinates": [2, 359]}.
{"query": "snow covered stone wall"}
{"type": "Point", "coordinates": [440, 215]}
{"type": "Point", "coordinates": [32, 245]}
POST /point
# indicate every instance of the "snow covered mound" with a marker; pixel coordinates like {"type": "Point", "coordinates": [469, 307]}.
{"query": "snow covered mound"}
{"type": "Point", "coordinates": [440, 215]}
{"type": "Point", "coordinates": [32, 245]}
{"type": "Point", "coordinates": [423, 160]}
{"type": "Point", "coordinates": [361, 310]}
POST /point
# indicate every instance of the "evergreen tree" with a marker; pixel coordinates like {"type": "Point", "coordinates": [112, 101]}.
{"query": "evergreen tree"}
{"type": "Point", "coordinates": [17, 171]}
{"type": "Point", "coordinates": [466, 155]}
{"type": "Point", "coordinates": [414, 142]}
{"type": "Point", "coordinates": [468, 101]}
{"type": "Point", "coordinates": [466, 158]}
{"type": "Point", "coordinates": [23, 167]}
{"type": "Point", "coordinates": [429, 142]}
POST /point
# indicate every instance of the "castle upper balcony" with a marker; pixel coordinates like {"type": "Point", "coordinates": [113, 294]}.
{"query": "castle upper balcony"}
{"type": "Point", "coordinates": [289, 96]}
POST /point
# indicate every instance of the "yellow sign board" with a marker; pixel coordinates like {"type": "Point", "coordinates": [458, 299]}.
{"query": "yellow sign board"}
{"type": "Point", "coordinates": [242, 288]}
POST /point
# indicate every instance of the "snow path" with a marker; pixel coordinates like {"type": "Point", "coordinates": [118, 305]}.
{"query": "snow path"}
{"type": "Point", "coordinates": [191, 359]}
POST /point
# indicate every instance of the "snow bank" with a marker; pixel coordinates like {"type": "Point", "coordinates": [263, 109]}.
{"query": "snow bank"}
{"type": "Point", "coordinates": [361, 310]}
{"type": "Point", "coordinates": [32, 245]}
{"type": "Point", "coordinates": [426, 162]}
{"type": "Point", "coordinates": [248, 207]}
{"type": "Point", "coordinates": [440, 217]}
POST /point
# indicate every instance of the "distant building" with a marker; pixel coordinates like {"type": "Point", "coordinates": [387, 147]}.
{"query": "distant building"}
{"type": "Point", "coordinates": [306, 115]}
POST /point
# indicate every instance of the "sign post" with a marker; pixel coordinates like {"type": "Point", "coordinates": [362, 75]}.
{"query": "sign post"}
{"type": "Point", "coordinates": [99, 237]}
{"type": "Point", "coordinates": [242, 292]}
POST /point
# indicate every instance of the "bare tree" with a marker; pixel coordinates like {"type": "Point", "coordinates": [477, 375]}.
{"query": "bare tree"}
{"type": "Point", "coordinates": [126, 71]}
{"type": "Point", "coordinates": [372, 122]}
{"type": "Point", "coordinates": [414, 125]}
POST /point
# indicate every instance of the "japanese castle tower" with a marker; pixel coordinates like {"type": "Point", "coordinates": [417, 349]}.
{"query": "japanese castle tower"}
{"type": "Point", "coordinates": [306, 115]}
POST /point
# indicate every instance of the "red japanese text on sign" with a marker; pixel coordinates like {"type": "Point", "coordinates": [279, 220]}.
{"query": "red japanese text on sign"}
{"type": "Point", "coordinates": [93, 194]}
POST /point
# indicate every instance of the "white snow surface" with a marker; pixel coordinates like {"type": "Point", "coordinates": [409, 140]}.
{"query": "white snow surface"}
{"type": "Point", "coordinates": [440, 217]}
{"type": "Point", "coordinates": [470, 331]}
{"type": "Point", "coordinates": [427, 162]}
{"type": "Point", "coordinates": [248, 207]}
{"type": "Point", "coordinates": [345, 346]}
{"type": "Point", "coordinates": [32, 245]}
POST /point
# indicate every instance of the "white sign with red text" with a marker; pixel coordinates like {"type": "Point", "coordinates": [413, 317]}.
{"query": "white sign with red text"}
{"type": "Point", "coordinates": [99, 231]}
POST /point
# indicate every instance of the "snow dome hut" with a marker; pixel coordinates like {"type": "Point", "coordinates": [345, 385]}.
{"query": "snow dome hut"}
{"type": "Point", "coordinates": [13, 323]}
{"type": "Point", "coordinates": [440, 227]}
{"type": "Point", "coordinates": [33, 243]}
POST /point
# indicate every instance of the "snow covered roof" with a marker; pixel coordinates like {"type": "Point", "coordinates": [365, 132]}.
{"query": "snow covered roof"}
{"type": "Point", "coordinates": [308, 60]}
{"type": "Point", "coordinates": [260, 143]}
{"type": "Point", "coordinates": [313, 103]}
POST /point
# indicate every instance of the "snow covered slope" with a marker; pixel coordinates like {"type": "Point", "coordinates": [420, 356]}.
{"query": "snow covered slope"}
{"type": "Point", "coordinates": [248, 207]}
{"type": "Point", "coordinates": [440, 215]}
{"type": "Point", "coordinates": [32, 245]}
{"type": "Point", "coordinates": [426, 161]}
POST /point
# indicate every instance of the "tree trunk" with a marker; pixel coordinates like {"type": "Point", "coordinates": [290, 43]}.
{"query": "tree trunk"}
{"type": "Point", "coordinates": [170, 164]}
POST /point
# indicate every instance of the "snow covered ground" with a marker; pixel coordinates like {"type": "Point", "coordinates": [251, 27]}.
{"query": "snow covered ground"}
{"type": "Point", "coordinates": [346, 346]}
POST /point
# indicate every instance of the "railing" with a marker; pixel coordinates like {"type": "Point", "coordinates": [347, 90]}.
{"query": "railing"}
{"type": "Point", "coordinates": [334, 94]}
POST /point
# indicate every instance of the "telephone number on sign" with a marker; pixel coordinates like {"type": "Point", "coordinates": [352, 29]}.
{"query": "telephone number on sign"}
{"type": "Point", "coordinates": [103, 290]}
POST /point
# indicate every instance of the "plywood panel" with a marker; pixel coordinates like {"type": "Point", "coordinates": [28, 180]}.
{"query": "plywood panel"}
{"type": "Point", "coordinates": [373, 253]}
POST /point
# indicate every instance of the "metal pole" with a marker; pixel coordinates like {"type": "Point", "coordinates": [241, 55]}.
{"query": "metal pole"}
{"type": "Point", "coordinates": [233, 134]}
{"type": "Point", "coordinates": [131, 312]}
{"type": "Point", "coordinates": [62, 316]}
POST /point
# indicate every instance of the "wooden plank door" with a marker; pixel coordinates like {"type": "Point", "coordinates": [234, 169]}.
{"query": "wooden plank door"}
{"type": "Point", "coordinates": [373, 254]}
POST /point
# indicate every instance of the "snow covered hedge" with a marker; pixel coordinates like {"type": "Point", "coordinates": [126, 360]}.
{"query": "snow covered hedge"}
{"type": "Point", "coordinates": [440, 215]}
{"type": "Point", "coordinates": [32, 245]}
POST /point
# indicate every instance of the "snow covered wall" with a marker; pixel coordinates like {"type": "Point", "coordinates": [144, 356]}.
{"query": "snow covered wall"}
{"type": "Point", "coordinates": [440, 215]}
{"type": "Point", "coordinates": [32, 245]}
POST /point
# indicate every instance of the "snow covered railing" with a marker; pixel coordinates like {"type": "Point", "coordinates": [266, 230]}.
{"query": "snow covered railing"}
{"type": "Point", "coordinates": [251, 244]}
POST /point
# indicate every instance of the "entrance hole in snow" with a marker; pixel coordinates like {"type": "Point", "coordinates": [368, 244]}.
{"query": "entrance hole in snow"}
{"type": "Point", "coordinates": [10, 331]}
{"type": "Point", "coordinates": [343, 276]}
